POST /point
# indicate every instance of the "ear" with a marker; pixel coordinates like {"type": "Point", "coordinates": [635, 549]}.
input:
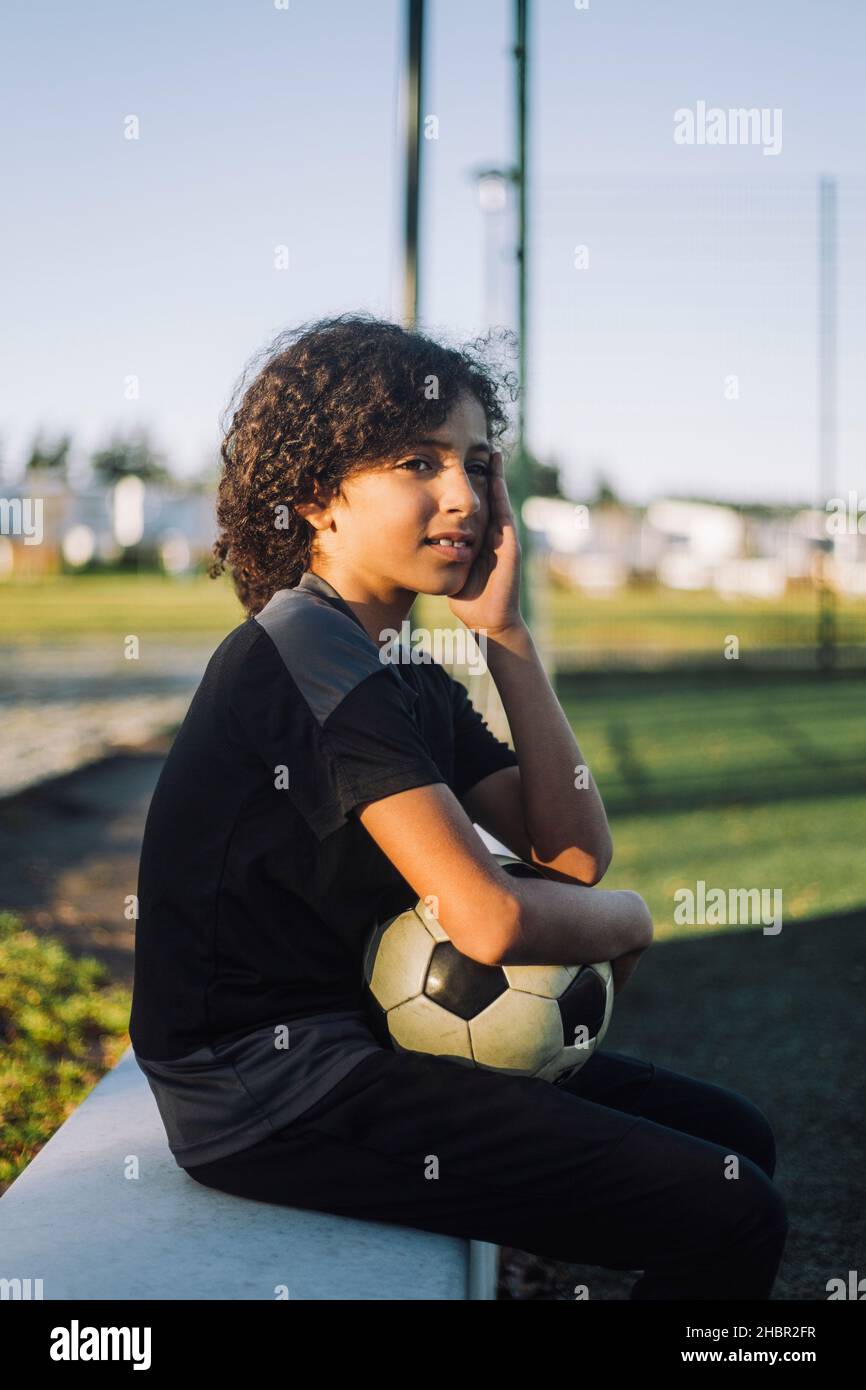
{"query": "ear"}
{"type": "Point", "coordinates": [318, 514]}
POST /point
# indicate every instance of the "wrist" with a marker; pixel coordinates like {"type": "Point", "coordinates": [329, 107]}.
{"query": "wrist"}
{"type": "Point", "coordinates": [511, 636]}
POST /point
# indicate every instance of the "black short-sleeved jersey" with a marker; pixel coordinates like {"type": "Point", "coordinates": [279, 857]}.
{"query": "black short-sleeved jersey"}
{"type": "Point", "coordinates": [257, 886]}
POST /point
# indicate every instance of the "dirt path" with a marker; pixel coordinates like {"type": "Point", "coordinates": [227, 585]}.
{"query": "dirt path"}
{"type": "Point", "coordinates": [777, 1018]}
{"type": "Point", "coordinates": [69, 854]}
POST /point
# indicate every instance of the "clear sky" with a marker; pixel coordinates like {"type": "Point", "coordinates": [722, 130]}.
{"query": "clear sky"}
{"type": "Point", "coordinates": [262, 126]}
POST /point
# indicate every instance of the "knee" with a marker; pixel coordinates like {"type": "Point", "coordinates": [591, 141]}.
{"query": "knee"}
{"type": "Point", "coordinates": [753, 1136]}
{"type": "Point", "coordinates": [772, 1207]}
{"type": "Point", "coordinates": [744, 1236]}
{"type": "Point", "coordinates": [761, 1213]}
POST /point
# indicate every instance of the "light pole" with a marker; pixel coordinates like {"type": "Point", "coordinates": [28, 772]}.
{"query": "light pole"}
{"type": "Point", "coordinates": [412, 79]}
{"type": "Point", "coordinates": [519, 483]}
{"type": "Point", "coordinates": [827, 651]}
{"type": "Point", "coordinates": [492, 187]}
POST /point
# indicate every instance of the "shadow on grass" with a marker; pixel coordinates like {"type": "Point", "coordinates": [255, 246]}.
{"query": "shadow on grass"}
{"type": "Point", "coordinates": [682, 709]}
{"type": "Point", "coordinates": [780, 1020]}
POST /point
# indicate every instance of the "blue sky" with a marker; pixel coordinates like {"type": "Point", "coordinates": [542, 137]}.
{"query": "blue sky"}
{"type": "Point", "coordinates": [261, 127]}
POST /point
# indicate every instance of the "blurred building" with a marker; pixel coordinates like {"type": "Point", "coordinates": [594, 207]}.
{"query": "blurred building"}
{"type": "Point", "coordinates": [169, 526]}
{"type": "Point", "coordinates": [691, 545]}
{"type": "Point", "coordinates": [680, 544]}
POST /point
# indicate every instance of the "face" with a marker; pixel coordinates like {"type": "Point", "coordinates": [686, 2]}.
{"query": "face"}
{"type": "Point", "coordinates": [380, 534]}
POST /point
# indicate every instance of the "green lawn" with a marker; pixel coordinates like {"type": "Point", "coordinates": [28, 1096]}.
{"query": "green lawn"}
{"type": "Point", "coordinates": [63, 1024]}
{"type": "Point", "coordinates": [690, 622]}
{"type": "Point", "coordinates": [744, 782]}
{"type": "Point", "coordinates": [740, 779]}
{"type": "Point", "coordinates": [69, 606]}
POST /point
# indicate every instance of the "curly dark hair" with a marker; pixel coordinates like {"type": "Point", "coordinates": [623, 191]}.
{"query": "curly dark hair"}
{"type": "Point", "coordinates": [330, 398]}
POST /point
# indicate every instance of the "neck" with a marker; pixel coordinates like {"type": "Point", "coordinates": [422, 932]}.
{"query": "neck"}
{"type": "Point", "coordinates": [378, 605]}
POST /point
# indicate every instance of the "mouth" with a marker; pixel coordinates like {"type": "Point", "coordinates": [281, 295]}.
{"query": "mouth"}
{"type": "Point", "coordinates": [451, 549]}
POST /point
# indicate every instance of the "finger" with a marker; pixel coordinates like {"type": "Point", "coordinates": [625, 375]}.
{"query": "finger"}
{"type": "Point", "coordinates": [501, 509]}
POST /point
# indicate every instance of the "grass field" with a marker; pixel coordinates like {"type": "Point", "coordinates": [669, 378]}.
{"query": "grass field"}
{"type": "Point", "coordinates": [89, 606]}
{"type": "Point", "coordinates": [691, 622]}
{"type": "Point", "coordinates": [755, 782]}
{"type": "Point", "coordinates": [740, 778]}
{"type": "Point", "coordinates": [63, 1024]}
{"type": "Point", "coordinates": [68, 607]}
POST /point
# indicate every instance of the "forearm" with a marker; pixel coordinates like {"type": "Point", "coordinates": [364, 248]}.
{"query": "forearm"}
{"type": "Point", "coordinates": [563, 812]}
{"type": "Point", "coordinates": [572, 924]}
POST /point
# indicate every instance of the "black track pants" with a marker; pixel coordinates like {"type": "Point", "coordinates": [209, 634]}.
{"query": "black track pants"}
{"type": "Point", "coordinates": [625, 1165]}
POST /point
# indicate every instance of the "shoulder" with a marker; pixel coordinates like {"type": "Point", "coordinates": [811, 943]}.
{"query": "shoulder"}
{"type": "Point", "coordinates": [305, 643]}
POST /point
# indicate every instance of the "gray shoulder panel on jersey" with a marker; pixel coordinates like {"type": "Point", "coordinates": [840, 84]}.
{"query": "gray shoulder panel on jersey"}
{"type": "Point", "coordinates": [325, 650]}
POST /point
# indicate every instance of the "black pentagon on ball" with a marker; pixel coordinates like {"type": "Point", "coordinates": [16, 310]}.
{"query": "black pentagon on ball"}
{"type": "Point", "coordinates": [460, 984]}
{"type": "Point", "coordinates": [582, 1003]}
{"type": "Point", "coordinates": [376, 1017]}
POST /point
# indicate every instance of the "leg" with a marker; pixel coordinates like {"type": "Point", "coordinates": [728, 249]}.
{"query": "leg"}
{"type": "Point", "coordinates": [723, 1117]}
{"type": "Point", "coordinates": [679, 1101]}
{"type": "Point", "coordinates": [424, 1142]}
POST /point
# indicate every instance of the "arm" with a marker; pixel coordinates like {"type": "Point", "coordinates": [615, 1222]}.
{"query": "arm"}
{"type": "Point", "coordinates": [566, 825]}
{"type": "Point", "coordinates": [564, 821]}
{"type": "Point", "coordinates": [489, 915]}
{"type": "Point", "coordinates": [495, 803]}
{"type": "Point", "coordinates": [563, 827]}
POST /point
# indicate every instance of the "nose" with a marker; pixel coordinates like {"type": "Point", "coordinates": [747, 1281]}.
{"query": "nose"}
{"type": "Point", "coordinates": [459, 493]}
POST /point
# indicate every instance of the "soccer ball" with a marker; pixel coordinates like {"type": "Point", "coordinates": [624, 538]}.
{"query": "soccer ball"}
{"type": "Point", "coordinates": [423, 995]}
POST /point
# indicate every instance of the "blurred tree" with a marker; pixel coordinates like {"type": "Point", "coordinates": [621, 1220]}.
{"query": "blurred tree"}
{"type": "Point", "coordinates": [48, 458]}
{"type": "Point", "coordinates": [605, 493]}
{"type": "Point", "coordinates": [122, 457]}
{"type": "Point", "coordinates": [544, 478]}
{"type": "Point", "coordinates": [206, 477]}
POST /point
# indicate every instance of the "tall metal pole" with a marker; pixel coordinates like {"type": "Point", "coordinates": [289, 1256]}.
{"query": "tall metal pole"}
{"type": "Point", "coordinates": [413, 91]}
{"type": "Point", "coordinates": [827, 636]}
{"type": "Point", "coordinates": [412, 97]}
{"type": "Point", "coordinates": [519, 482]}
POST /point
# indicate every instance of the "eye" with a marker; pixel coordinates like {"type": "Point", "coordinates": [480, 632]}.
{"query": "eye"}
{"type": "Point", "coordinates": [483, 469]}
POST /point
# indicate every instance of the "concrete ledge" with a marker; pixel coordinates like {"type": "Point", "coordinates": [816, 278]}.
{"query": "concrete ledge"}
{"type": "Point", "coordinates": [75, 1221]}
